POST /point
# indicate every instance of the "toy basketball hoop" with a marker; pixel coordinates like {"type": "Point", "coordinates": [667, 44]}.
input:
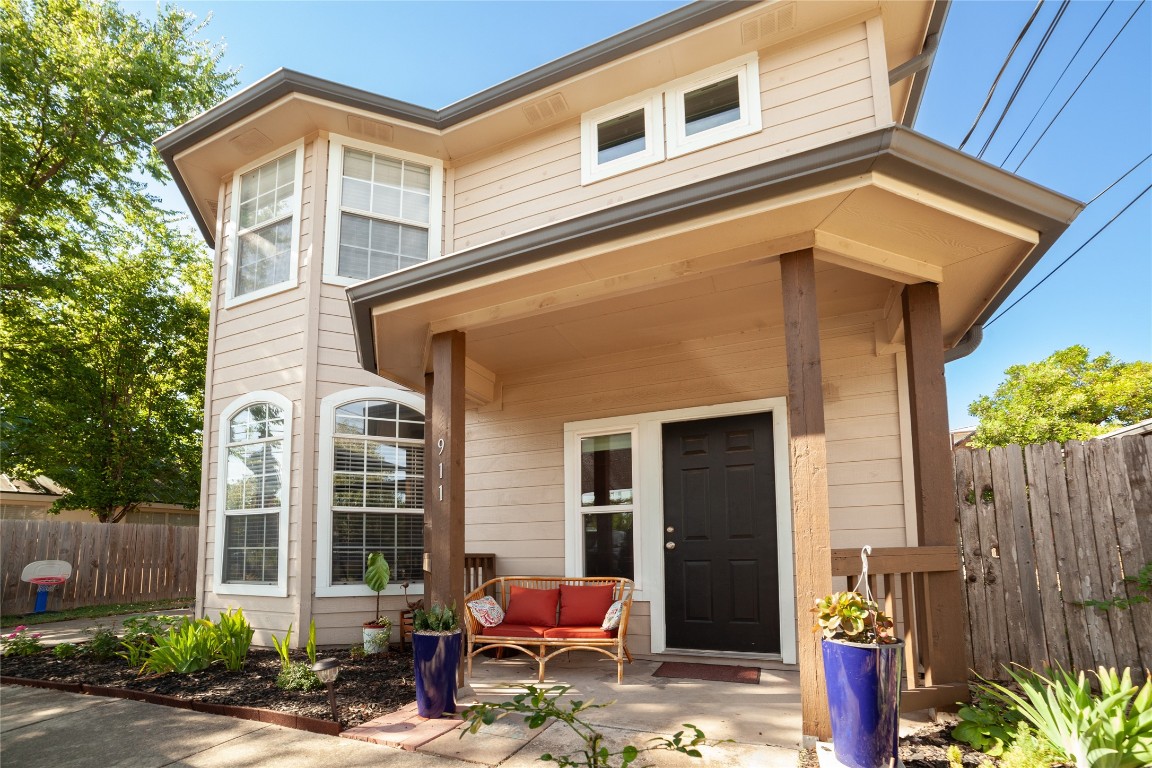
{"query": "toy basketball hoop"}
{"type": "Point", "coordinates": [45, 574]}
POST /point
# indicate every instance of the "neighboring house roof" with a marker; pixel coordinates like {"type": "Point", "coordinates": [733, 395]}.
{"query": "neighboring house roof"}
{"type": "Point", "coordinates": [1139, 428]}
{"type": "Point", "coordinates": [284, 82]}
{"type": "Point", "coordinates": [41, 485]}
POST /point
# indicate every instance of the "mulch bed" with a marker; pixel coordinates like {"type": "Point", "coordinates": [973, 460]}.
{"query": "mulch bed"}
{"type": "Point", "coordinates": [366, 688]}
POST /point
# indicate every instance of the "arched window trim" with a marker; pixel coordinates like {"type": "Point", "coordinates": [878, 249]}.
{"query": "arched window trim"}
{"type": "Point", "coordinates": [280, 588]}
{"type": "Point", "coordinates": [328, 406]}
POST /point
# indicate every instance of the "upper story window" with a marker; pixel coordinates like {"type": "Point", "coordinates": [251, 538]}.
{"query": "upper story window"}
{"type": "Point", "coordinates": [252, 501]}
{"type": "Point", "coordinates": [265, 205]}
{"type": "Point", "coordinates": [622, 136]}
{"type": "Point", "coordinates": [695, 112]}
{"type": "Point", "coordinates": [385, 206]}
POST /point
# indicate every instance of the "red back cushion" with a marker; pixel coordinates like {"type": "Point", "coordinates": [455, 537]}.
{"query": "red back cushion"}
{"type": "Point", "coordinates": [584, 606]}
{"type": "Point", "coordinates": [535, 607]}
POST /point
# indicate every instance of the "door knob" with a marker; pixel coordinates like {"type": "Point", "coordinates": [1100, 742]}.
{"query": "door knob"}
{"type": "Point", "coordinates": [670, 545]}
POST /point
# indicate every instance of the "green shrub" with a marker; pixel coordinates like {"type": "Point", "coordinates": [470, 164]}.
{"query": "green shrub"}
{"type": "Point", "coordinates": [282, 648]}
{"type": "Point", "coordinates": [1109, 730]}
{"type": "Point", "coordinates": [65, 651]}
{"type": "Point", "coordinates": [102, 643]}
{"type": "Point", "coordinates": [987, 724]}
{"type": "Point", "coordinates": [233, 638]}
{"type": "Point", "coordinates": [298, 676]}
{"type": "Point", "coordinates": [20, 642]}
{"type": "Point", "coordinates": [140, 634]}
{"type": "Point", "coordinates": [191, 647]}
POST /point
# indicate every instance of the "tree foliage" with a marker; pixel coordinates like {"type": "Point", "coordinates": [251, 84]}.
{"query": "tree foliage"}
{"type": "Point", "coordinates": [105, 299]}
{"type": "Point", "coordinates": [1066, 396]}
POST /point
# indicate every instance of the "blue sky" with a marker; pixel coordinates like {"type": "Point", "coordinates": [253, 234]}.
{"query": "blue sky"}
{"type": "Point", "coordinates": [435, 53]}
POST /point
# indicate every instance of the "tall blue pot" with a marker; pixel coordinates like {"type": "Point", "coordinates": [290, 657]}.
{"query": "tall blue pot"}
{"type": "Point", "coordinates": [863, 683]}
{"type": "Point", "coordinates": [437, 658]}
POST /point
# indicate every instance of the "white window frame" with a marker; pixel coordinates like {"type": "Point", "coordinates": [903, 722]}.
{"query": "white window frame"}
{"type": "Point", "coordinates": [648, 505]}
{"type": "Point", "coordinates": [747, 71]}
{"type": "Point", "coordinates": [231, 299]}
{"type": "Point", "coordinates": [328, 406]}
{"type": "Point", "coordinates": [280, 588]}
{"type": "Point", "coordinates": [591, 169]}
{"type": "Point", "coordinates": [334, 205]}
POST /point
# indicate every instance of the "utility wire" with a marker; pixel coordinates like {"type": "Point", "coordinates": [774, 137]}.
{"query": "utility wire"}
{"type": "Point", "coordinates": [1024, 75]}
{"type": "Point", "coordinates": [1000, 74]}
{"type": "Point", "coordinates": [1077, 89]}
{"type": "Point", "coordinates": [1052, 90]}
{"type": "Point", "coordinates": [1126, 175]}
{"type": "Point", "coordinates": [1069, 257]}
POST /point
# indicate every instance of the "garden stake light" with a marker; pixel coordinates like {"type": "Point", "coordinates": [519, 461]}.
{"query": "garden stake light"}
{"type": "Point", "coordinates": [327, 670]}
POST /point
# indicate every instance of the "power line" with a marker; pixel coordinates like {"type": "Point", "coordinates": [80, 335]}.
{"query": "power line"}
{"type": "Point", "coordinates": [1024, 75]}
{"type": "Point", "coordinates": [1004, 66]}
{"type": "Point", "coordinates": [1077, 89]}
{"type": "Point", "coordinates": [1069, 257]}
{"type": "Point", "coordinates": [1126, 175]}
{"type": "Point", "coordinates": [1052, 90]}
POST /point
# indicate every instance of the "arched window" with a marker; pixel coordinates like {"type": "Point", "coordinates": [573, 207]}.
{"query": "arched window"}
{"type": "Point", "coordinates": [372, 487]}
{"type": "Point", "coordinates": [252, 501]}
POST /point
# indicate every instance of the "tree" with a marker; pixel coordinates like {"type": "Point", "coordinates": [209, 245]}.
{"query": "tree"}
{"type": "Point", "coordinates": [1066, 396]}
{"type": "Point", "coordinates": [86, 89]}
{"type": "Point", "coordinates": [104, 384]}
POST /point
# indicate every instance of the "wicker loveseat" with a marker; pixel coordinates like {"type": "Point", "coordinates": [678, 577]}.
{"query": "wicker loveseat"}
{"type": "Point", "coordinates": [573, 622]}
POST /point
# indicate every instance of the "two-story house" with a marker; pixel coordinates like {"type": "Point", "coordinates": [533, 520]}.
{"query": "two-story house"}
{"type": "Point", "coordinates": [675, 306]}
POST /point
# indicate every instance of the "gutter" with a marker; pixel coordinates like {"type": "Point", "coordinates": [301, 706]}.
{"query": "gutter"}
{"type": "Point", "coordinates": [919, 67]}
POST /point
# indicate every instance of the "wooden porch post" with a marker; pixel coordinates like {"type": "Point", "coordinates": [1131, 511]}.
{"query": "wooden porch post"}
{"type": "Point", "coordinates": [942, 605]}
{"type": "Point", "coordinates": [809, 467]}
{"type": "Point", "coordinates": [444, 472]}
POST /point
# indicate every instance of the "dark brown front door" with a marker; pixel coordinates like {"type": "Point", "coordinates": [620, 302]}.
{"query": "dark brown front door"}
{"type": "Point", "coordinates": [721, 585]}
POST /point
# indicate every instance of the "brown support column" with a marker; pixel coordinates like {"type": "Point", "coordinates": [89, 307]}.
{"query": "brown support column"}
{"type": "Point", "coordinates": [809, 466]}
{"type": "Point", "coordinates": [444, 472]}
{"type": "Point", "coordinates": [943, 601]}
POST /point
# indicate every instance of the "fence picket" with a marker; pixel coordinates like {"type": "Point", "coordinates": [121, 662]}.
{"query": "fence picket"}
{"type": "Point", "coordinates": [978, 630]}
{"type": "Point", "coordinates": [1088, 565]}
{"type": "Point", "coordinates": [1055, 634]}
{"type": "Point", "coordinates": [1016, 634]}
{"type": "Point", "coordinates": [1000, 652]}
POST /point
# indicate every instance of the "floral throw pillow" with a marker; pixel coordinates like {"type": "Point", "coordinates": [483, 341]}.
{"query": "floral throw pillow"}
{"type": "Point", "coordinates": [612, 617]}
{"type": "Point", "coordinates": [486, 611]}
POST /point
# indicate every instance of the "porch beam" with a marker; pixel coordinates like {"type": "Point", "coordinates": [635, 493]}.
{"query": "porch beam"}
{"type": "Point", "coordinates": [809, 469]}
{"type": "Point", "coordinates": [444, 472]}
{"type": "Point", "coordinates": [846, 252]}
{"type": "Point", "coordinates": [944, 653]}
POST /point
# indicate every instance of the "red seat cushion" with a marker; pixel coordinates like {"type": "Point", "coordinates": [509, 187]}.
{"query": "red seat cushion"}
{"type": "Point", "coordinates": [581, 633]}
{"type": "Point", "coordinates": [584, 606]}
{"type": "Point", "coordinates": [533, 607]}
{"type": "Point", "coordinates": [513, 630]}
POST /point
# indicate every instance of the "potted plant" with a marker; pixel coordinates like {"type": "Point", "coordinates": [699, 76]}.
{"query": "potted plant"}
{"type": "Point", "coordinates": [377, 631]}
{"type": "Point", "coordinates": [436, 653]}
{"type": "Point", "coordinates": [862, 678]}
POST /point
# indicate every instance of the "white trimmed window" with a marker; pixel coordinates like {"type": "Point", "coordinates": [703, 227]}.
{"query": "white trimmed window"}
{"type": "Point", "coordinates": [386, 206]}
{"type": "Point", "coordinates": [265, 216]}
{"type": "Point", "coordinates": [621, 137]}
{"type": "Point", "coordinates": [371, 488]}
{"type": "Point", "coordinates": [252, 501]}
{"type": "Point", "coordinates": [714, 106]}
{"type": "Point", "coordinates": [607, 503]}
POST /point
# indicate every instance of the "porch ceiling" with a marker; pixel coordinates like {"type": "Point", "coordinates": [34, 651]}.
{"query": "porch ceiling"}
{"type": "Point", "coordinates": [708, 266]}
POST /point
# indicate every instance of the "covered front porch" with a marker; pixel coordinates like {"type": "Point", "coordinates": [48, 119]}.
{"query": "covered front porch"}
{"type": "Point", "coordinates": [819, 292]}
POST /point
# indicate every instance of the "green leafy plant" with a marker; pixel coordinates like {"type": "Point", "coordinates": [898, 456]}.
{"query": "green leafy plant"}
{"type": "Point", "coordinates": [282, 648]}
{"type": "Point", "coordinates": [356, 651]}
{"type": "Point", "coordinates": [1142, 582]}
{"type": "Point", "coordinates": [538, 707]}
{"type": "Point", "coordinates": [65, 650]}
{"type": "Point", "coordinates": [1109, 730]}
{"type": "Point", "coordinates": [310, 648]}
{"type": "Point", "coordinates": [102, 644]}
{"type": "Point", "coordinates": [987, 724]}
{"type": "Point", "coordinates": [298, 676]}
{"type": "Point", "coordinates": [234, 637]}
{"type": "Point", "coordinates": [140, 634]}
{"type": "Point", "coordinates": [191, 647]}
{"type": "Point", "coordinates": [376, 577]}
{"type": "Point", "coordinates": [20, 642]}
{"type": "Point", "coordinates": [438, 618]}
{"type": "Point", "coordinates": [852, 617]}
{"type": "Point", "coordinates": [1029, 751]}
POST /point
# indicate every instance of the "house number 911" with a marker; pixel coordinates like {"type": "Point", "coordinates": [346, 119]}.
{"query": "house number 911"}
{"type": "Point", "coordinates": [440, 452]}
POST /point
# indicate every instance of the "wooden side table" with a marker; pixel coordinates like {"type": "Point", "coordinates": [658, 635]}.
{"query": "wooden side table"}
{"type": "Point", "coordinates": [405, 628]}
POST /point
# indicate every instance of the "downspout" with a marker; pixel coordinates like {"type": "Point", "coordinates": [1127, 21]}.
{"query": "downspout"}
{"type": "Point", "coordinates": [919, 65]}
{"type": "Point", "coordinates": [967, 344]}
{"type": "Point", "coordinates": [919, 62]}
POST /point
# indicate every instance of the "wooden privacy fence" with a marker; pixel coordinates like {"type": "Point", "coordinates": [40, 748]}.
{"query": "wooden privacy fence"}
{"type": "Point", "coordinates": [1044, 528]}
{"type": "Point", "coordinates": [111, 563]}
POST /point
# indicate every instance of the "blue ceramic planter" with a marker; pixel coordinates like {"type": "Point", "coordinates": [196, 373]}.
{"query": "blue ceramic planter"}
{"type": "Point", "coordinates": [437, 658]}
{"type": "Point", "coordinates": [863, 683]}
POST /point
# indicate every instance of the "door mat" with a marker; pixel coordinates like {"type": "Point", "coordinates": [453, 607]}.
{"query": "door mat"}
{"type": "Point", "coordinates": [721, 673]}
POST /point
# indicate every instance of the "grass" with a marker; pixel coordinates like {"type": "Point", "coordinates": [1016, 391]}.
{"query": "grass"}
{"type": "Point", "coordinates": [93, 612]}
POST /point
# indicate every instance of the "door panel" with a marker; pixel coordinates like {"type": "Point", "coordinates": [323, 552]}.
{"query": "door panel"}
{"type": "Point", "coordinates": [721, 586]}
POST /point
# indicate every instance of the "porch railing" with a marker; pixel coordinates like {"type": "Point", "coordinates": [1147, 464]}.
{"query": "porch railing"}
{"type": "Point", "coordinates": [896, 578]}
{"type": "Point", "coordinates": [478, 568]}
